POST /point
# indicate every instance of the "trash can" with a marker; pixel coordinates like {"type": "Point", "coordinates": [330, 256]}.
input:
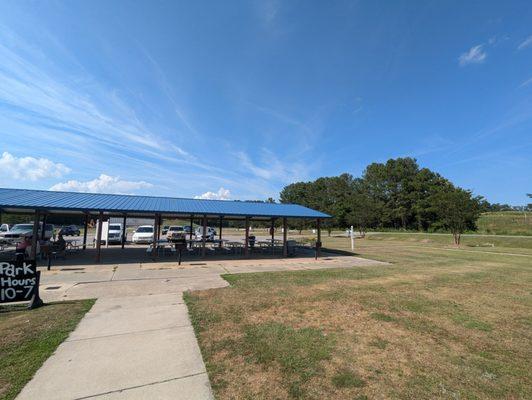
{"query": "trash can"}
{"type": "Point", "coordinates": [251, 241]}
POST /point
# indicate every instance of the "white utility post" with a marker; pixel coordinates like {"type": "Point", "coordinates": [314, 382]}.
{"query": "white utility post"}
{"type": "Point", "coordinates": [352, 234]}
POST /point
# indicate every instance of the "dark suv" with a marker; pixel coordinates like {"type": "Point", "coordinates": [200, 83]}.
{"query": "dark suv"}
{"type": "Point", "coordinates": [71, 230]}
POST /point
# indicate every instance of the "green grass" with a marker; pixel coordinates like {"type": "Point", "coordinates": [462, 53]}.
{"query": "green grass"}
{"type": "Point", "coordinates": [436, 322]}
{"type": "Point", "coordinates": [346, 379]}
{"type": "Point", "coordinates": [29, 337]}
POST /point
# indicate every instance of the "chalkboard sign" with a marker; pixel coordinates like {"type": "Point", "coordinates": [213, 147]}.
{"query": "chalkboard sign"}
{"type": "Point", "coordinates": [19, 281]}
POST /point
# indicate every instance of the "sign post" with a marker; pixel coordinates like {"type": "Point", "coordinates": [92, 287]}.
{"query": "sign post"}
{"type": "Point", "coordinates": [180, 245]}
{"type": "Point", "coordinates": [19, 281]}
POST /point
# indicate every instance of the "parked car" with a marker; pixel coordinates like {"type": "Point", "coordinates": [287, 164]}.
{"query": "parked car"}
{"type": "Point", "coordinates": [165, 230]}
{"type": "Point", "coordinates": [71, 230]}
{"type": "Point", "coordinates": [4, 228]}
{"type": "Point", "coordinates": [18, 232]}
{"type": "Point", "coordinates": [210, 233]}
{"type": "Point", "coordinates": [175, 233]}
{"type": "Point", "coordinates": [114, 233]}
{"type": "Point", "coordinates": [143, 234]}
{"type": "Point", "coordinates": [187, 229]}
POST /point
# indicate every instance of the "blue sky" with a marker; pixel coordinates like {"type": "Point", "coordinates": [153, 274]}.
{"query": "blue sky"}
{"type": "Point", "coordinates": [241, 98]}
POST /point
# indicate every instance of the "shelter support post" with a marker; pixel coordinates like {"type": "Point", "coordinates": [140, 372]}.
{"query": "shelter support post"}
{"type": "Point", "coordinates": [246, 242]}
{"type": "Point", "coordinates": [124, 231]}
{"type": "Point", "coordinates": [85, 228]}
{"type": "Point", "coordinates": [99, 237]}
{"type": "Point", "coordinates": [34, 235]}
{"type": "Point", "coordinates": [155, 238]}
{"type": "Point", "coordinates": [220, 236]}
{"type": "Point", "coordinates": [43, 230]}
{"type": "Point", "coordinates": [285, 234]}
{"type": "Point", "coordinates": [204, 236]}
{"type": "Point", "coordinates": [191, 230]}
{"type": "Point", "coordinates": [318, 240]}
{"type": "Point", "coordinates": [272, 232]}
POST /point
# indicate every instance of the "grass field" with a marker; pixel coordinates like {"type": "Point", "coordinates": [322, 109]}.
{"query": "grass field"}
{"type": "Point", "coordinates": [506, 223]}
{"type": "Point", "coordinates": [437, 322]}
{"type": "Point", "coordinates": [29, 337]}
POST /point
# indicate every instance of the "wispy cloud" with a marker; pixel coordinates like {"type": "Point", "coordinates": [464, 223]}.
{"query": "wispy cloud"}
{"type": "Point", "coordinates": [268, 11]}
{"type": "Point", "coordinates": [103, 184]}
{"type": "Point", "coordinates": [526, 83]}
{"type": "Point", "coordinates": [475, 55]}
{"type": "Point", "coordinates": [95, 113]}
{"type": "Point", "coordinates": [30, 168]}
{"type": "Point", "coordinates": [221, 194]}
{"type": "Point", "coordinates": [525, 43]}
{"type": "Point", "coordinates": [271, 168]}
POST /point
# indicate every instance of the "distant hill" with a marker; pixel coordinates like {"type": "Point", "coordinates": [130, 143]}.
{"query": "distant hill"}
{"type": "Point", "coordinates": [505, 223]}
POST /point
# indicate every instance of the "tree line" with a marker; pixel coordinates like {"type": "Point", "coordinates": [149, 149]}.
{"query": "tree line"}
{"type": "Point", "coordinates": [397, 194]}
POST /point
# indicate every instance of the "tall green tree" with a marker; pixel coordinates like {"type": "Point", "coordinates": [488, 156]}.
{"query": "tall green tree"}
{"type": "Point", "coordinates": [391, 183]}
{"type": "Point", "coordinates": [395, 194]}
{"type": "Point", "coordinates": [457, 211]}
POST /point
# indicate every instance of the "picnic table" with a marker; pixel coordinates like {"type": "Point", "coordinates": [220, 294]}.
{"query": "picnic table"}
{"type": "Point", "coordinates": [236, 247]}
{"type": "Point", "coordinates": [161, 246]}
{"type": "Point", "coordinates": [72, 245]}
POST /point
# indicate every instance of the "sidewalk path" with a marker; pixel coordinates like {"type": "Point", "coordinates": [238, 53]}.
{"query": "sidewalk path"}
{"type": "Point", "coordinates": [139, 347]}
{"type": "Point", "coordinates": [137, 341]}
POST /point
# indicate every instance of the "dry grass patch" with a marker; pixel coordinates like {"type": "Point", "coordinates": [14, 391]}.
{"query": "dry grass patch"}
{"type": "Point", "coordinates": [433, 324]}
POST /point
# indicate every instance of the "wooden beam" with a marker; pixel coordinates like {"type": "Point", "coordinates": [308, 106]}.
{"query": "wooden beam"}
{"type": "Point", "coordinates": [99, 238]}
{"type": "Point", "coordinates": [85, 229]}
{"type": "Point", "coordinates": [204, 238]}
{"type": "Point", "coordinates": [246, 242]}
{"type": "Point", "coordinates": [124, 231]}
{"type": "Point", "coordinates": [34, 236]}
{"type": "Point", "coordinates": [285, 233]}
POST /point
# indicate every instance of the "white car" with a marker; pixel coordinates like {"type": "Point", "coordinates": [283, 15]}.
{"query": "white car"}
{"type": "Point", "coordinates": [143, 234]}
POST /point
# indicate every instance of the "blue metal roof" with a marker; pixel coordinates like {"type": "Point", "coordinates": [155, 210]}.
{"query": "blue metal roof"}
{"type": "Point", "coordinates": [24, 199]}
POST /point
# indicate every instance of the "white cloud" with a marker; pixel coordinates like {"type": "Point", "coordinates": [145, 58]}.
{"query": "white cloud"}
{"type": "Point", "coordinates": [30, 168]}
{"type": "Point", "coordinates": [221, 194]}
{"type": "Point", "coordinates": [475, 55]}
{"type": "Point", "coordinates": [102, 184]}
{"type": "Point", "coordinates": [526, 43]}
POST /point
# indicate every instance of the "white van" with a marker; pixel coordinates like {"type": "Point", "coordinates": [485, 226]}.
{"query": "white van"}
{"type": "Point", "coordinates": [111, 232]}
{"type": "Point", "coordinates": [114, 233]}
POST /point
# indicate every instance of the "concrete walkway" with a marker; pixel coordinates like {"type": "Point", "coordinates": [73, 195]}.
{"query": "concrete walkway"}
{"type": "Point", "coordinates": [137, 341]}
{"type": "Point", "coordinates": [139, 347]}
